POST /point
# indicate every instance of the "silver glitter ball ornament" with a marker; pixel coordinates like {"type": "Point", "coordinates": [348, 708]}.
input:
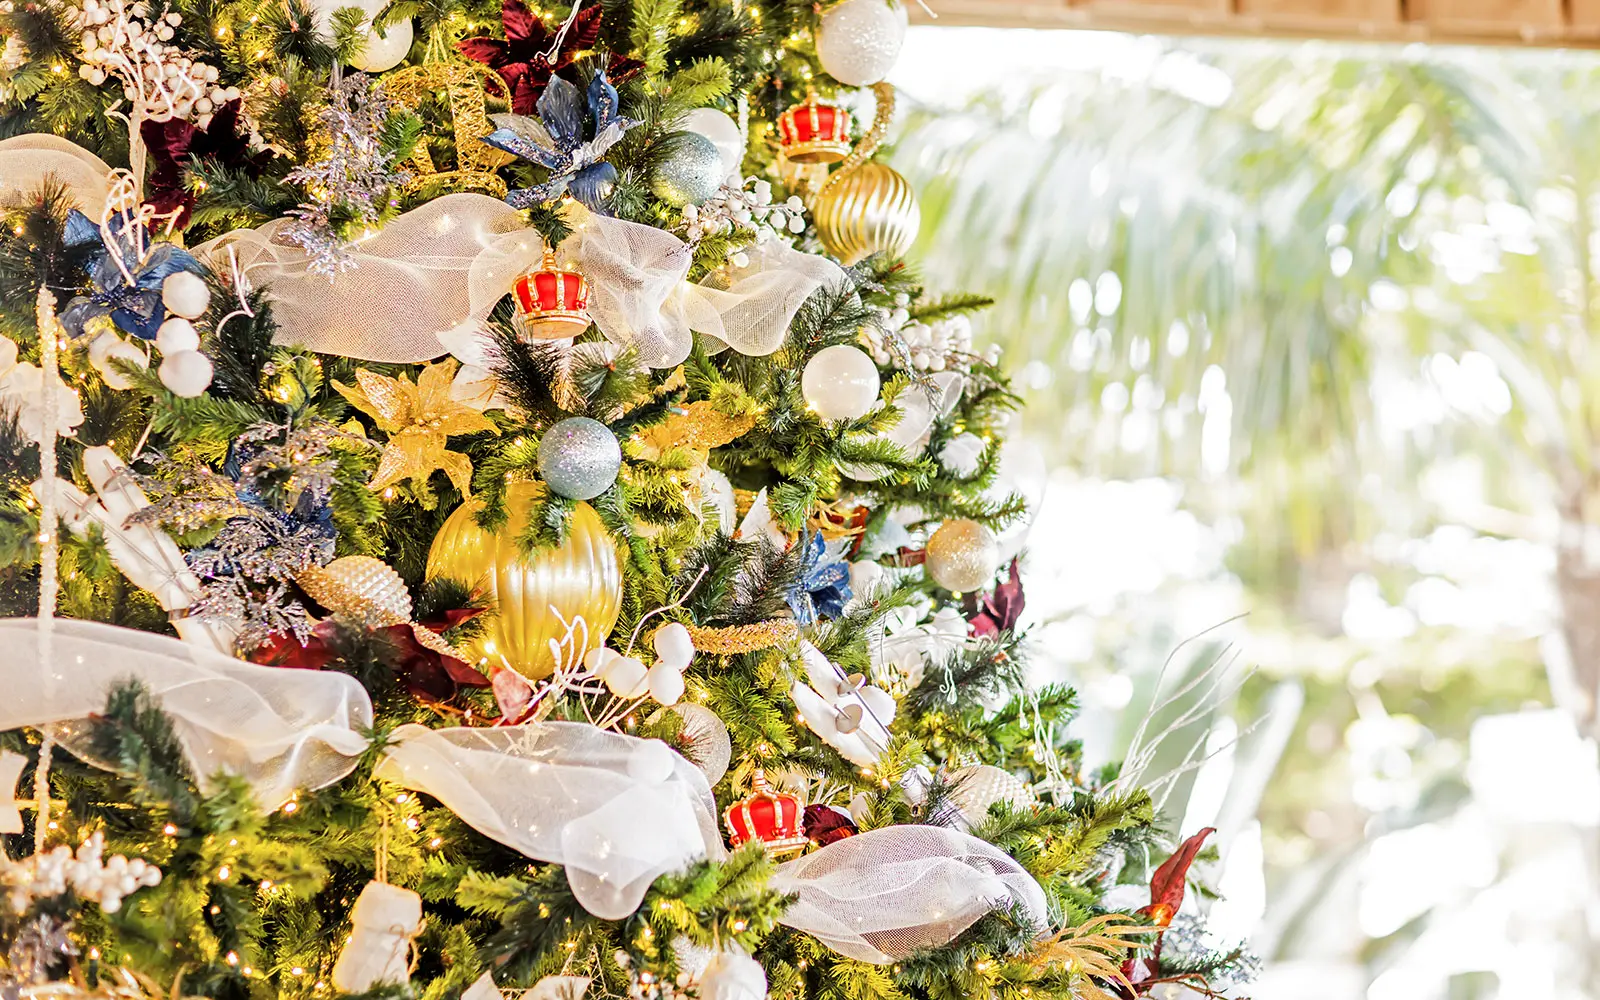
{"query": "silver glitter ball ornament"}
{"type": "Point", "coordinates": [579, 458]}
{"type": "Point", "coordinates": [859, 41]}
{"type": "Point", "coordinates": [962, 555]}
{"type": "Point", "coordinates": [691, 173]}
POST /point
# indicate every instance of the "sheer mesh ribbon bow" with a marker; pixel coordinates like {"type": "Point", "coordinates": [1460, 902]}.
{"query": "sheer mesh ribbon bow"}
{"type": "Point", "coordinates": [566, 793]}
{"type": "Point", "coordinates": [432, 276]}
{"type": "Point", "coordinates": [560, 792]}
{"type": "Point", "coordinates": [881, 895]}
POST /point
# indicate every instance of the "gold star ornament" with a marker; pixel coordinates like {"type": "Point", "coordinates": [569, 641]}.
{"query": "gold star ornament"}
{"type": "Point", "coordinates": [418, 417]}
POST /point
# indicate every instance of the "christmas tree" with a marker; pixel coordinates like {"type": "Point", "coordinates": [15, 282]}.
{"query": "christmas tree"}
{"type": "Point", "coordinates": [487, 506]}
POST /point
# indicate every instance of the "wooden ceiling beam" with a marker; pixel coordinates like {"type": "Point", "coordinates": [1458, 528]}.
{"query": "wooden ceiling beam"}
{"type": "Point", "coordinates": [1542, 23]}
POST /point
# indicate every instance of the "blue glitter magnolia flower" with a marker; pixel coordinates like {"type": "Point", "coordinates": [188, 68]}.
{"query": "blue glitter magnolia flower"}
{"type": "Point", "coordinates": [823, 586]}
{"type": "Point", "coordinates": [557, 140]}
{"type": "Point", "coordinates": [134, 308]}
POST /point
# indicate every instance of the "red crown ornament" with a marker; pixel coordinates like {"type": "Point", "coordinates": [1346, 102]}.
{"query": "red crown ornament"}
{"type": "Point", "coordinates": [814, 131]}
{"type": "Point", "coordinates": [552, 304]}
{"type": "Point", "coordinates": [769, 816]}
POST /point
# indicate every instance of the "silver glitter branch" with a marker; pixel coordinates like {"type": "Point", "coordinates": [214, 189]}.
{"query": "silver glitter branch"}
{"type": "Point", "coordinates": [352, 180]}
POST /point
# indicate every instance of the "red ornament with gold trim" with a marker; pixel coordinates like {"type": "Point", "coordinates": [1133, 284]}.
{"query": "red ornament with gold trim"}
{"type": "Point", "coordinates": [552, 304]}
{"type": "Point", "coordinates": [767, 815]}
{"type": "Point", "coordinates": [814, 131]}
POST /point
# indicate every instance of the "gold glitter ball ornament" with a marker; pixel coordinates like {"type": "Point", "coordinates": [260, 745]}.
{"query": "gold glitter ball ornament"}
{"type": "Point", "coordinates": [580, 578]}
{"type": "Point", "coordinates": [962, 555]}
{"type": "Point", "coordinates": [866, 210]}
{"type": "Point", "coordinates": [361, 587]}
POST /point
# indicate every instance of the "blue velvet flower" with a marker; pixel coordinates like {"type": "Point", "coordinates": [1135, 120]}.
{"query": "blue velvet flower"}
{"type": "Point", "coordinates": [823, 586]}
{"type": "Point", "coordinates": [134, 308]}
{"type": "Point", "coordinates": [569, 141]}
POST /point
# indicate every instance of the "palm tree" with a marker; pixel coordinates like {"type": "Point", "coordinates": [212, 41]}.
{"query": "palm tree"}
{"type": "Point", "coordinates": [1306, 293]}
{"type": "Point", "coordinates": [1224, 292]}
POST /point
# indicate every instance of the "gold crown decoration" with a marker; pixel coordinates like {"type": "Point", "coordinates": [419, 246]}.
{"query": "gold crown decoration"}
{"type": "Point", "coordinates": [814, 131]}
{"type": "Point", "coordinates": [467, 86]}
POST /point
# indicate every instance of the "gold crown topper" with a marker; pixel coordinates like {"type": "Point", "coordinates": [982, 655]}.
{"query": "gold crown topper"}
{"type": "Point", "coordinates": [466, 85]}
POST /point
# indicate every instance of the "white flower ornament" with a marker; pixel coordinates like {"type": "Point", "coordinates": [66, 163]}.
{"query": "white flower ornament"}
{"type": "Point", "coordinates": [22, 387]}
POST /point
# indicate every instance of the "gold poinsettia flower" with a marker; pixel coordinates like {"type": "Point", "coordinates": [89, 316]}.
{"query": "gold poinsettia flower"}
{"type": "Point", "coordinates": [418, 417]}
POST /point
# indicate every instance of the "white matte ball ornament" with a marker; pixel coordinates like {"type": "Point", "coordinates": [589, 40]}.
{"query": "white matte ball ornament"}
{"type": "Point", "coordinates": [384, 51]}
{"type": "Point", "coordinates": [186, 373]}
{"type": "Point", "coordinates": [185, 294]}
{"type": "Point", "coordinates": [722, 131]}
{"type": "Point", "coordinates": [100, 348]}
{"type": "Point", "coordinates": [666, 683]}
{"type": "Point", "coordinates": [840, 383]}
{"type": "Point", "coordinates": [120, 351]}
{"type": "Point", "coordinates": [626, 677]}
{"type": "Point", "coordinates": [732, 976]}
{"type": "Point", "coordinates": [858, 41]}
{"type": "Point", "coordinates": [651, 762]}
{"type": "Point", "coordinates": [673, 645]}
{"type": "Point", "coordinates": [177, 334]}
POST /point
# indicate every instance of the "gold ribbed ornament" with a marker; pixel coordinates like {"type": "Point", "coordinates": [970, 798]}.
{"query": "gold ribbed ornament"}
{"type": "Point", "coordinates": [870, 209]}
{"type": "Point", "coordinates": [866, 207]}
{"type": "Point", "coordinates": [581, 578]}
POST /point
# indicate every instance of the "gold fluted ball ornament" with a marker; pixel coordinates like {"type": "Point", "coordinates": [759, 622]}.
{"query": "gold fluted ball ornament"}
{"type": "Point", "coordinates": [865, 210]}
{"type": "Point", "coordinates": [962, 555]}
{"type": "Point", "coordinates": [580, 578]}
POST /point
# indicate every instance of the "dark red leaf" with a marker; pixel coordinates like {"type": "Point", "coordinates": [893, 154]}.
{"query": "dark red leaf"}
{"type": "Point", "coordinates": [174, 144]}
{"type": "Point", "coordinates": [1167, 884]}
{"type": "Point", "coordinates": [824, 824]}
{"type": "Point", "coordinates": [1001, 608]}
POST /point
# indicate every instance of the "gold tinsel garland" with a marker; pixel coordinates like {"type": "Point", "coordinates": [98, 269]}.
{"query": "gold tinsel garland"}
{"type": "Point", "coordinates": [743, 638]}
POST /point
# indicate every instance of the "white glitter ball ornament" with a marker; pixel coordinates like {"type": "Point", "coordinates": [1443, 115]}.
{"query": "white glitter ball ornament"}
{"type": "Point", "coordinates": [962, 555]}
{"type": "Point", "coordinates": [723, 133]}
{"type": "Point", "coordinates": [840, 383]}
{"type": "Point", "coordinates": [690, 173]}
{"type": "Point", "coordinates": [858, 41]}
{"type": "Point", "coordinates": [579, 458]}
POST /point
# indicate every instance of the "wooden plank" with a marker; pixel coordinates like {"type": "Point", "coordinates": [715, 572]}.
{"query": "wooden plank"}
{"type": "Point", "coordinates": [1511, 17]}
{"type": "Point", "coordinates": [1583, 32]}
{"type": "Point", "coordinates": [1363, 16]}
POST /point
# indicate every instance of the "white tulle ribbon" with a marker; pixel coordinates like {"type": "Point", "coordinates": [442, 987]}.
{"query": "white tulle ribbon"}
{"type": "Point", "coordinates": [430, 277]}
{"type": "Point", "coordinates": [638, 292]}
{"type": "Point", "coordinates": [881, 895]}
{"type": "Point", "coordinates": [28, 160]}
{"type": "Point", "coordinates": [276, 728]}
{"type": "Point", "coordinates": [616, 811]}
{"type": "Point", "coordinates": [405, 290]}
